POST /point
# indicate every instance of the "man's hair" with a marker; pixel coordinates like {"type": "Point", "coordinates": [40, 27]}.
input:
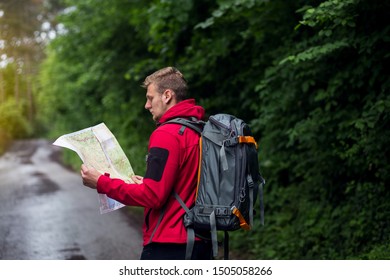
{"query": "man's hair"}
{"type": "Point", "coordinates": [168, 78]}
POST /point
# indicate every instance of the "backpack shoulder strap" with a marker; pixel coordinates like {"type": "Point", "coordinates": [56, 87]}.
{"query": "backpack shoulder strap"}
{"type": "Point", "coordinates": [190, 230]}
{"type": "Point", "coordinates": [193, 123]}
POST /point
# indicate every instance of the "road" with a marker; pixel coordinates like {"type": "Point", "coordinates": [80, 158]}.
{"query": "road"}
{"type": "Point", "coordinates": [47, 214]}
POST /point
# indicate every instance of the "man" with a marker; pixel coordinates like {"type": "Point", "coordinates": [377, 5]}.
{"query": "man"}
{"type": "Point", "coordinates": [172, 166]}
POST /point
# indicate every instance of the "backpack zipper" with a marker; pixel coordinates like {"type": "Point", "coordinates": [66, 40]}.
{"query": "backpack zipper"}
{"type": "Point", "coordinates": [231, 132]}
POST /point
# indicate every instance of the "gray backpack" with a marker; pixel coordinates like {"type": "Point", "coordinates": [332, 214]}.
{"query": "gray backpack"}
{"type": "Point", "coordinates": [229, 180]}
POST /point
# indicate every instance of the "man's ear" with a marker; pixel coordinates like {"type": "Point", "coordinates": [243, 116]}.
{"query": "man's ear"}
{"type": "Point", "coordinates": [167, 96]}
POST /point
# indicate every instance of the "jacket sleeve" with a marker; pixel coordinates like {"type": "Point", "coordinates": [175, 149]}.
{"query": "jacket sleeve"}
{"type": "Point", "coordinates": [162, 165]}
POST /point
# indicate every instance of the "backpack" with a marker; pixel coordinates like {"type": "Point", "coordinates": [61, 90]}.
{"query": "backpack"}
{"type": "Point", "coordinates": [229, 180]}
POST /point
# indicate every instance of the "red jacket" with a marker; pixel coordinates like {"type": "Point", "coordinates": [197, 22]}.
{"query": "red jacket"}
{"type": "Point", "coordinates": [172, 165]}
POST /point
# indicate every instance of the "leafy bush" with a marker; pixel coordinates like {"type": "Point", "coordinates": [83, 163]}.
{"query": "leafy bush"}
{"type": "Point", "coordinates": [13, 124]}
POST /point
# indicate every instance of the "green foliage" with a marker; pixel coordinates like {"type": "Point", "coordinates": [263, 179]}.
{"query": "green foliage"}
{"type": "Point", "coordinates": [332, 149]}
{"type": "Point", "coordinates": [83, 81]}
{"type": "Point", "coordinates": [13, 124]}
{"type": "Point", "coordinates": [309, 76]}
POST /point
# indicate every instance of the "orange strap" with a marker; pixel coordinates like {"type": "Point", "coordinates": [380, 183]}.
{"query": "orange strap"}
{"type": "Point", "coordinates": [247, 139]}
{"type": "Point", "coordinates": [243, 223]}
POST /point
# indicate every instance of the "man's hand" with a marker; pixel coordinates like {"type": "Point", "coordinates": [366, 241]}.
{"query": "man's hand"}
{"type": "Point", "coordinates": [90, 176]}
{"type": "Point", "coordinates": [137, 179]}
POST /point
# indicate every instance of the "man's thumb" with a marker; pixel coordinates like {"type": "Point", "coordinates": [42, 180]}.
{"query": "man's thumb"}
{"type": "Point", "coordinates": [84, 168]}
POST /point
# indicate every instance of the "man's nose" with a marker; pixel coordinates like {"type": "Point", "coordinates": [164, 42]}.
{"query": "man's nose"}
{"type": "Point", "coordinates": [147, 105]}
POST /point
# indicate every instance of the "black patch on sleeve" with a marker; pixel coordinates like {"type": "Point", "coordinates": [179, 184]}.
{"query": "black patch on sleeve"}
{"type": "Point", "coordinates": [157, 159]}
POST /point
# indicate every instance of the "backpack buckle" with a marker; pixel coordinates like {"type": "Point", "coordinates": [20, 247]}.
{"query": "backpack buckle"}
{"type": "Point", "coordinates": [230, 142]}
{"type": "Point", "coordinates": [222, 211]}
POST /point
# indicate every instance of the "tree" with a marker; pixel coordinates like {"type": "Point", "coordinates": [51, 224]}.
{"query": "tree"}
{"type": "Point", "coordinates": [21, 50]}
{"type": "Point", "coordinates": [322, 115]}
{"type": "Point", "coordinates": [85, 79]}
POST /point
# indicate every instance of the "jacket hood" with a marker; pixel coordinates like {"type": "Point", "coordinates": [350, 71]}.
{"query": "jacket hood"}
{"type": "Point", "coordinates": [184, 109]}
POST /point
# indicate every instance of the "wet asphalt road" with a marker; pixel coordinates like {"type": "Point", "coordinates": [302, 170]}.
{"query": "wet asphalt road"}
{"type": "Point", "coordinates": [46, 213]}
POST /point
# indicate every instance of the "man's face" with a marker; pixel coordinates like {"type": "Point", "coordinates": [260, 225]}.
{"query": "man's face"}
{"type": "Point", "coordinates": [154, 102]}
